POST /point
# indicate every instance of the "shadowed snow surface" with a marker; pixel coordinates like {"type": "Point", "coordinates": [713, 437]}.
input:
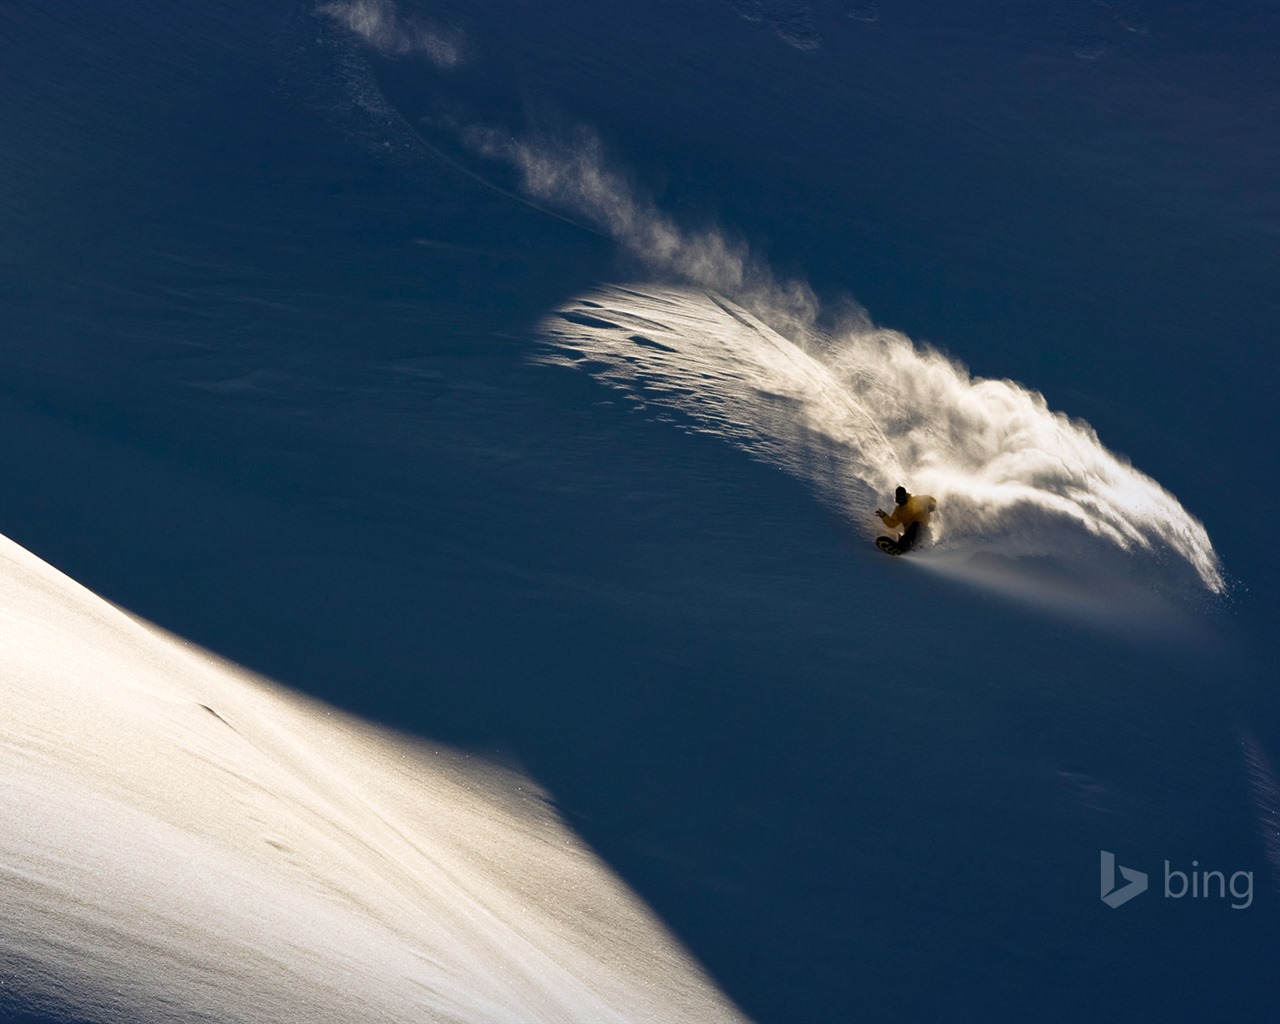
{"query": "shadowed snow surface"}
{"type": "Point", "coordinates": [512, 384]}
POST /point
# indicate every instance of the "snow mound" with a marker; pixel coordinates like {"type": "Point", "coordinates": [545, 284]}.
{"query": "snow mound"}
{"type": "Point", "coordinates": [185, 841]}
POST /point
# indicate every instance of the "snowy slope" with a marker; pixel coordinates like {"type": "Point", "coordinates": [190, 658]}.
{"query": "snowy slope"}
{"type": "Point", "coordinates": [494, 372]}
{"type": "Point", "coordinates": [183, 840]}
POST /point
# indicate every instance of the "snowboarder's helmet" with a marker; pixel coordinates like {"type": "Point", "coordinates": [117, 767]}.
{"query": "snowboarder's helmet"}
{"type": "Point", "coordinates": [900, 495]}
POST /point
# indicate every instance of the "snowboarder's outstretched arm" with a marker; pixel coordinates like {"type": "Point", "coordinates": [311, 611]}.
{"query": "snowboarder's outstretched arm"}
{"type": "Point", "coordinates": [888, 520]}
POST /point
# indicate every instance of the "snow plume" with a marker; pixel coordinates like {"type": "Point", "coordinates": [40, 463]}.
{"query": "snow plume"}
{"type": "Point", "coordinates": [573, 175]}
{"type": "Point", "coordinates": [1007, 465]}
{"type": "Point", "coordinates": [853, 409]}
{"type": "Point", "coordinates": [857, 412]}
{"type": "Point", "coordinates": [380, 25]}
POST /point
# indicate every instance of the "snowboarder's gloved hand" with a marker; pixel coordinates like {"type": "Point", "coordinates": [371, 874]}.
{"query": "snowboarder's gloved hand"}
{"type": "Point", "coordinates": [881, 512]}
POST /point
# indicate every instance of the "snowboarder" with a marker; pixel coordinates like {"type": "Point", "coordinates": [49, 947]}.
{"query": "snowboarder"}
{"type": "Point", "coordinates": [911, 513]}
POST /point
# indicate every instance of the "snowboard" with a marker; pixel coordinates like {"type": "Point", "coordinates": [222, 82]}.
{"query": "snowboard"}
{"type": "Point", "coordinates": [889, 546]}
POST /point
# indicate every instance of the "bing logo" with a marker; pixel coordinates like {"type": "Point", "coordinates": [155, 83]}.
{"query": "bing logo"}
{"type": "Point", "coordinates": [1135, 882]}
{"type": "Point", "coordinates": [1178, 885]}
